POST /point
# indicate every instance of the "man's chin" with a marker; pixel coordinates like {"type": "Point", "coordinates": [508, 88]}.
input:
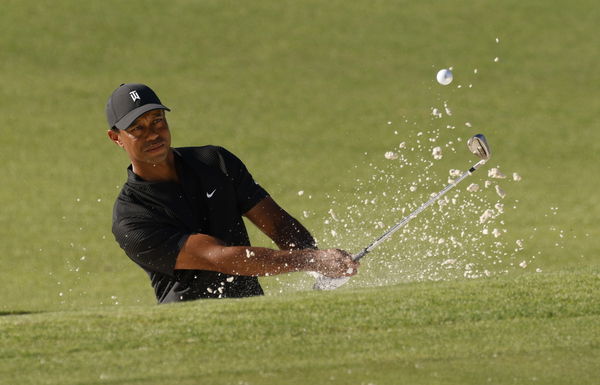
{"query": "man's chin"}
{"type": "Point", "coordinates": [158, 156]}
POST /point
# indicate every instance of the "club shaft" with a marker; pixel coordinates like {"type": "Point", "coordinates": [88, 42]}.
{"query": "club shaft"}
{"type": "Point", "coordinates": [410, 216]}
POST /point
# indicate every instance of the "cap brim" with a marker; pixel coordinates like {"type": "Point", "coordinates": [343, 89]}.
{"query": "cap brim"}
{"type": "Point", "coordinates": [126, 120]}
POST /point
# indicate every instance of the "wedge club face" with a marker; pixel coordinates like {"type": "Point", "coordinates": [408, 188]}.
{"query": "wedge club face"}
{"type": "Point", "coordinates": [325, 283]}
{"type": "Point", "coordinates": [479, 146]}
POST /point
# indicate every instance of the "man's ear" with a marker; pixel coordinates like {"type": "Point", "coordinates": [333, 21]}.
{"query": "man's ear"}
{"type": "Point", "coordinates": [114, 136]}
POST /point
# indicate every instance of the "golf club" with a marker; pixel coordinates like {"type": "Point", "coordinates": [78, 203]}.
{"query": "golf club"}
{"type": "Point", "coordinates": [478, 145]}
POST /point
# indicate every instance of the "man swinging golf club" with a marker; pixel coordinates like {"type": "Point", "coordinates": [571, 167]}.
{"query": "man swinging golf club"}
{"type": "Point", "coordinates": [179, 214]}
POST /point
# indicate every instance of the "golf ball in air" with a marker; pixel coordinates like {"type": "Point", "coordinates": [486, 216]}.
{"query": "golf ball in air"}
{"type": "Point", "coordinates": [444, 77]}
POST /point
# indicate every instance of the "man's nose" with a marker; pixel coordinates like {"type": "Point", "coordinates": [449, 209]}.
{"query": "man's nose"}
{"type": "Point", "coordinates": [153, 132]}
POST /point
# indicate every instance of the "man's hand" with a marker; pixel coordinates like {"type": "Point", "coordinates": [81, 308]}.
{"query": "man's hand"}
{"type": "Point", "coordinates": [335, 263]}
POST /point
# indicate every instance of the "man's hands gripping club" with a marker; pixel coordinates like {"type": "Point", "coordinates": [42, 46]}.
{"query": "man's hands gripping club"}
{"type": "Point", "coordinates": [336, 263]}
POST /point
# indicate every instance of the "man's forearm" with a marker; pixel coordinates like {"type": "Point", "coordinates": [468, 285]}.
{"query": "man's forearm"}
{"type": "Point", "coordinates": [259, 261]}
{"type": "Point", "coordinates": [293, 235]}
{"type": "Point", "coordinates": [287, 232]}
{"type": "Point", "coordinates": [203, 252]}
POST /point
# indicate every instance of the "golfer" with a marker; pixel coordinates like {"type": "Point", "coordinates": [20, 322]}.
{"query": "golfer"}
{"type": "Point", "coordinates": [179, 214]}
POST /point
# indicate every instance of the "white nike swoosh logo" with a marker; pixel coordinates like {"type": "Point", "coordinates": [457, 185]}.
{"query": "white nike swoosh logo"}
{"type": "Point", "coordinates": [211, 194]}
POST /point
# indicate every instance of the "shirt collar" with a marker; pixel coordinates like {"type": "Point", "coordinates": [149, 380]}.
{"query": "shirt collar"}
{"type": "Point", "coordinates": [132, 177]}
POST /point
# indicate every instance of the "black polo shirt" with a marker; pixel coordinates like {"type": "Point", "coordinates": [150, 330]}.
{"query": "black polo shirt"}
{"type": "Point", "coordinates": [152, 221]}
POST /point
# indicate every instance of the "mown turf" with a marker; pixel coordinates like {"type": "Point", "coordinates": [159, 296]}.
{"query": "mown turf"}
{"type": "Point", "coordinates": [538, 328]}
{"type": "Point", "coordinates": [310, 94]}
{"type": "Point", "coordinates": [303, 92]}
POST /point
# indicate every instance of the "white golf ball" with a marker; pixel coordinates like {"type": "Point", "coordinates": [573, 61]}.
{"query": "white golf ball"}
{"type": "Point", "coordinates": [444, 77]}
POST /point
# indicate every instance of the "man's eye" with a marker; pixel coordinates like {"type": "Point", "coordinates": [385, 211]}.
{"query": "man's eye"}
{"type": "Point", "coordinates": [157, 120]}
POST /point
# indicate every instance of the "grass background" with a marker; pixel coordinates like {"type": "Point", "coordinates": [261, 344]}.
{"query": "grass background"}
{"type": "Point", "coordinates": [303, 92]}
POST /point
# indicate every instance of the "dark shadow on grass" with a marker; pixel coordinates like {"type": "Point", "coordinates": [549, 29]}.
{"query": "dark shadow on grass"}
{"type": "Point", "coordinates": [17, 312]}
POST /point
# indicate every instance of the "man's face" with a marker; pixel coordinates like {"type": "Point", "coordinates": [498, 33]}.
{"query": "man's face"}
{"type": "Point", "coordinates": [147, 139]}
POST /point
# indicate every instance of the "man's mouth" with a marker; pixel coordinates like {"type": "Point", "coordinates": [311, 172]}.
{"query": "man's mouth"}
{"type": "Point", "coordinates": [154, 146]}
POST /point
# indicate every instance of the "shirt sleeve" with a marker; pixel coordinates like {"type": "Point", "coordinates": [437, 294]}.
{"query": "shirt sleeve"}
{"type": "Point", "coordinates": [152, 245]}
{"type": "Point", "coordinates": [248, 191]}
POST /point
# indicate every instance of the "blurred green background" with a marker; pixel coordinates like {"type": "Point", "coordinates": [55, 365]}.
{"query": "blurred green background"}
{"type": "Point", "coordinates": [310, 95]}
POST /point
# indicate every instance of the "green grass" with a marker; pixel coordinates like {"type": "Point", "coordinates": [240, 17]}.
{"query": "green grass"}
{"type": "Point", "coordinates": [303, 92]}
{"type": "Point", "coordinates": [537, 328]}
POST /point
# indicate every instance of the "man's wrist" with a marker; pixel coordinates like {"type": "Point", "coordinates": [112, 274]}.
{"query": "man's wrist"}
{"type": "Point", "coordinates": [311, 259]}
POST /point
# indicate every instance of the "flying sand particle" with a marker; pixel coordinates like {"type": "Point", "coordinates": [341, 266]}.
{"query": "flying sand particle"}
{"type": "Point", "coordinates": [499, 207]}
{"type": "Point", "coordinates": [496, 173]}
{"type": "Point", "coordinates": [516, 177]}
{"type": "Point", "coordinates": [500, 192]}
{"type": "Point", "coordinates": [473, 187]}
{"type": "Point", "coordinates": [330, 212]}
{"type": "Point", "coordinates": [519, 243]}
{"type": "Point", "coordinates": [391, 155]}
{"type": "Point", "coordinates": [447, 109]}
{"type": "Point", "coordinates": [454, 173]}
{"type": "Point", "coordinates": [487, 214]}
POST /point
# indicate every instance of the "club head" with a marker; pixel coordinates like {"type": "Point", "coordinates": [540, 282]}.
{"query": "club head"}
{"type": "Point", "coordinates": [478, 145]}
{"type": "Point", "coordinates": [326, 283]}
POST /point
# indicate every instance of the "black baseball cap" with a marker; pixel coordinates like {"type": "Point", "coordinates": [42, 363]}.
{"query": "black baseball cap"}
{"type": "Point", "coordinates": [130, 101]}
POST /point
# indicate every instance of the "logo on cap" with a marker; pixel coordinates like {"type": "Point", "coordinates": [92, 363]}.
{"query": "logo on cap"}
{"type": "Point", "coordinates": [134, 96]}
